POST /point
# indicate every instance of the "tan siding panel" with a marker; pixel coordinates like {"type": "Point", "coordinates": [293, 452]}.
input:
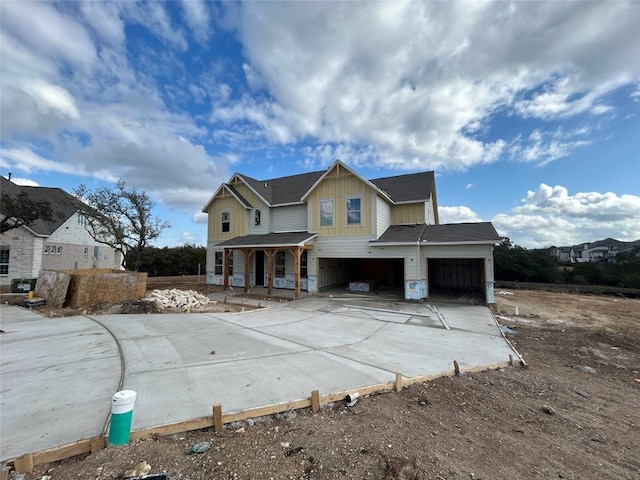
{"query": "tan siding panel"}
{"type": "Point", "coordinates": [410, 213]}
{"type": "Point", "coordinates": [226, 202]}
{"type": "Point", "coordinates": [339, 187]}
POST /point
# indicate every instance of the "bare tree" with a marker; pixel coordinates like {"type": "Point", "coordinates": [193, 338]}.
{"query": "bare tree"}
{"type": "Point", "coordinates": [121, 218]}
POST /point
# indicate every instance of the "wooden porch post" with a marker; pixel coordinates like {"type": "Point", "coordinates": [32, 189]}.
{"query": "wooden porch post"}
{"type": "Point", "coordinates": [226, 257]}
{"type": "Point", "coordinates": [297, 253]}
{"type": "Point", "coordinates": [247, 252]}
{"type": "Point", "coordinates": [270, 254]}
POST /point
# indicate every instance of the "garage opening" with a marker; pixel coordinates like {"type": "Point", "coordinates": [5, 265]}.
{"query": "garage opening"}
{"type": "Point", "coordinates": [457, 278]}
{"type": "Point", "coordinates": [372, 274]}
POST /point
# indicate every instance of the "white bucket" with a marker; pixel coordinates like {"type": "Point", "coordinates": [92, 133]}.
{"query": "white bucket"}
{"type": "Point", "coordinates": [123, 401]}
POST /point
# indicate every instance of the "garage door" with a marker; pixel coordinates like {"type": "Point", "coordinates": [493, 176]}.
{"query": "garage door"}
{"type": "Point", "coordinates": [387, 272]}
{"type": "Point", "coordinates": [456, 273]}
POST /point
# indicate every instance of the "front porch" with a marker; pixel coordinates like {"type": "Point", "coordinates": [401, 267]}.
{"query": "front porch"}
{"type": "Point", "coordinates": [264, 262]}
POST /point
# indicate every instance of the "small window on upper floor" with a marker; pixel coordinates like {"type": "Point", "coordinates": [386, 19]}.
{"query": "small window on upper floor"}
{"type": "Point", "coordinates": [46, 249]}
{"type": "Point", "coordinates": [354, 210]}
{"type": "Point", "coordinates": [257, 217]}
{"type": "Point", "coordinates": [326, 213]}
{"type": "Point", "coordinates": [82, 220]}
{"type": "Point", "coordinates": [226, 222]}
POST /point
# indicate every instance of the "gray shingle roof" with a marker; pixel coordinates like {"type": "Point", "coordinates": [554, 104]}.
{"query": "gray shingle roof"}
{"type": "Point", "coordinates": [282, 190]}
{"type": "Point", "coordinates": [242, 200]}
{"type": "Point", "coordinates": [412, 187]}
{"type": "Point", "coordinates": [269, 239]}
{"type": "Point", "coordinates": [447, 233]}
{"type": "Point", "coordinates": [63, 204]}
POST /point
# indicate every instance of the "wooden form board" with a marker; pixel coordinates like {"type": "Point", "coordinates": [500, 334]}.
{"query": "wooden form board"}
{"type": "Point", "coordinates": [218, 419]}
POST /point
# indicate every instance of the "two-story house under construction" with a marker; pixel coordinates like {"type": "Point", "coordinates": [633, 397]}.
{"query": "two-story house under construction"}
{"type": "Point", "coordinates": [334, 228]}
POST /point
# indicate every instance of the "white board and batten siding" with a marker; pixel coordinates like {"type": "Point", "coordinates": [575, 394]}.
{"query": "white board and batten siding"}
{"type": "Point", "coordinates": [383, 216]}
{"type": "Point", "coordinates": [429, 215]}
{"type": "Point", "coordinates": [292, 218]}
{"type": "Point", "coordinates": [265, 221]}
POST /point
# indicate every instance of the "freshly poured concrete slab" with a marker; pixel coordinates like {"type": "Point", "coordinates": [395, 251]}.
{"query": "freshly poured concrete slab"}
{"type": "Point", "coordinates": [58, 375]}
{"type": "Point", "coordinates": [57, 380]}
{"type": "Point", "coordinates": [177, 394]}
{"type": "Point", "coordinates": [326, 331]}
{"type": "Point", "coordinates": [267, 317]}
{"type": "Point", "coordinates": [146, 325]}
{"type": "Point", "coordinates": [417, 351]}
{"type": "Point", "coordinates": [192, 349]}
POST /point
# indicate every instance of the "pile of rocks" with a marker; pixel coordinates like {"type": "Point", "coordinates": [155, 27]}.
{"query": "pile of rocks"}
{"type": "Point", "coordinates": [182, 300]}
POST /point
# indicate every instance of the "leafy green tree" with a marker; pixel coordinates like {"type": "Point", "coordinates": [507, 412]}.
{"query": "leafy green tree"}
{"type": "Point", "coordinates": [171, 261]}
{"type": "Point", "coordinates": [121, 218]}
{"type": "Point", "coordinates": [627, 268]}
{"type": "Point", "coordinates": [21, 210]}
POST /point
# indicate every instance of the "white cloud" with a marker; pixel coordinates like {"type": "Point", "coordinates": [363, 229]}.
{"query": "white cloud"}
{"type": "Point", "coordinates": [420, 87]}
{"type": "Point", "coordinates": [52, 98]}
{"type": "Point", "coordinates": [25, 182]}
{"type": "Point", "coordinates": [27, 161]}
{"type": "Point", "coordinates": [196, 14]}
{"type": "Point", "coordinates": [460, 214]}
{"type": "Point", "coordinates": [200, 217]}
{"type": "Point", "coordinates": [552, 216]}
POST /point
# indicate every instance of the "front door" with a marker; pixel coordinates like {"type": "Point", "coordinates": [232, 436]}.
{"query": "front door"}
{"type": "Point", "coordinates": [259, 268]}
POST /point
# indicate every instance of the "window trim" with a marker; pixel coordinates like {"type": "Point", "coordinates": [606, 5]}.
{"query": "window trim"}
{"type": "Point", "coordinates": [218, 254]}
{"type": "Point", "coordinates": [230, 263]}
{"type": "Point", "coordinates": [304, 264]}
{"type": "Point", "coordinates": [7, 249]}
{"type": "Point", "coordinates": [333, 212]}
{"type": "Point", "coordinates": [228, 222]}
{"type": "Point", "coordinates": [283, 255]}
{"type": "Point", "coordinates": [346, 206]}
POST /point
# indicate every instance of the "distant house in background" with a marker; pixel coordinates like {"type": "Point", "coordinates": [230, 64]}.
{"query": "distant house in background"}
{"type": "Point", "coordinates": [336, 229]}
{"type": "Point", "coordinates": [61, 244]}
{"type": "Point", "coordinates": [601, 251]}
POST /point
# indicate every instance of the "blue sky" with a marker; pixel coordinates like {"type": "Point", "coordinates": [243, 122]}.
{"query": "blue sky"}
{"type": "Point", "coordinates": [528, 112]}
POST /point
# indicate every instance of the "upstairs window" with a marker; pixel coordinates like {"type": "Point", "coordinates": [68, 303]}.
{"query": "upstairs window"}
{"type": "Point", "coordinates": [226, 222]}
{"type": "Point", "coordinates": [4, 260]}
{"type": "Point", "coordinates": [326, 213]}
{"type": "Point", "coordinates": [257, 217]}
{"type": "Point", "coordinates": [217, 263]}
{"type": "Point", "coordinates": [82, 220]}
{"type": "Point", "coordinates": [354, 211]}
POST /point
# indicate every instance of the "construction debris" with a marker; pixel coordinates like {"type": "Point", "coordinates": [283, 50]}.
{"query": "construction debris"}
{"type": "Point", "coordinates": [183, 300]}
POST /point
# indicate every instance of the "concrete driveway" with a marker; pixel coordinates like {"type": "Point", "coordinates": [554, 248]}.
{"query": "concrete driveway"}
{"type": "Point", "coordinates": [58, 374]}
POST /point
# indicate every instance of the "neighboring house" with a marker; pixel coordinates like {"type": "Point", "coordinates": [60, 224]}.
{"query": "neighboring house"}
{"type": "Point", "coordinates": [61, 244]}
{"type": "Point", "coordinates": [335, 228]}
{"type": "Point", "coordinates": [600, 251]}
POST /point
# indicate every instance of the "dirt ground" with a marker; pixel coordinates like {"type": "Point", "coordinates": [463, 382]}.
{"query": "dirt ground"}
{"type": "Point", "coordinates": [573, 414]}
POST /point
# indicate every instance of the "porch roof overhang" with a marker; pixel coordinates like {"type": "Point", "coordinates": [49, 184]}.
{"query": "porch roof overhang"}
{"type": "Point", "coordinates": [270, 240]}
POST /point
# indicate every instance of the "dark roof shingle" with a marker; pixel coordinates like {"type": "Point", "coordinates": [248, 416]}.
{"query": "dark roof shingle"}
{"type": "Point", "coordinates": [412, 187]}
{"type": "Point", "coordinates": [268, 239]}
{"type": "Point", "coordinates": [447, 233]}
{"type": "Point", "coordinates": [63, 204]}
{"type": "Point", "coordinates": [282, 190]}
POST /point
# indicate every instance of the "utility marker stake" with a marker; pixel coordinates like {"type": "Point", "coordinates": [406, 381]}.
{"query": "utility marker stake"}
{"type": "Point", "coordinates": [315, 401]}
{"type": "Point", "coordinates": [456, 368]}
{"type": "Point", "coordinates": [511, 360]}
{"type": "Point", "coordinates": [398, 384]}
{"type": "Point", "coordinates": [217, 418]}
